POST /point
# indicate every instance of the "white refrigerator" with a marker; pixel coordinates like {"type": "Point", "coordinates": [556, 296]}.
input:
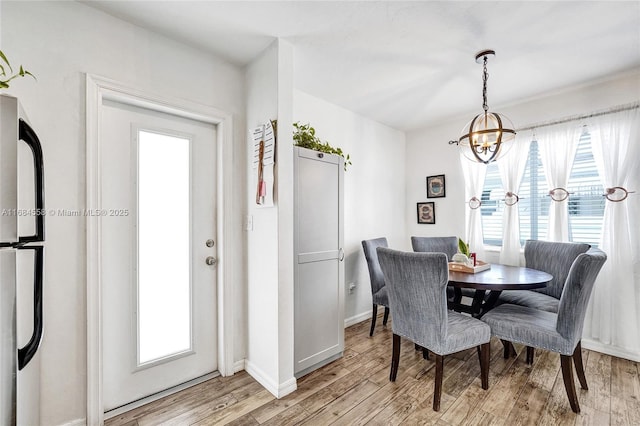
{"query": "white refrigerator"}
{"type": "Point", "coordinates": [22, 223]}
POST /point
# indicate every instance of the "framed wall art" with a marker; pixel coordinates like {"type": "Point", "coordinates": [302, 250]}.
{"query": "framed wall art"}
{"type": "Point", "coordinates": [427, 212]}
{"type": "Point", "coordinates": [435, 186]}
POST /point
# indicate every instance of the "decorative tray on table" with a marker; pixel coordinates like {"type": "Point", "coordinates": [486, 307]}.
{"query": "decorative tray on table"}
{"type": "Point", "coordinates": [461, 267]}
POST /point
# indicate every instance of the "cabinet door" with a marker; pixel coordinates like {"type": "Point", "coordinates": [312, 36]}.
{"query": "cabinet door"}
{"type": "Point", "coordinates": [319, 281]}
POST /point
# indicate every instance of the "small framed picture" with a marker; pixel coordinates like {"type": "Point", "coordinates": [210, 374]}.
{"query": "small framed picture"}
{"type": "Point", "coordinates": [427, 212]}
{"type": "Point", "coordinates": [435, 186]}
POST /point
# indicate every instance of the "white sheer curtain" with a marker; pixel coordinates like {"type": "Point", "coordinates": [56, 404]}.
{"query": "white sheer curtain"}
{"type": "Point", "coordinates": [511, 168]}
{"type": "Point", "coordinates": [474, 174]}
{"type": "Point", "coordinates": [558, 145]}
{"type": "Point", "coordinates": [613, 316]}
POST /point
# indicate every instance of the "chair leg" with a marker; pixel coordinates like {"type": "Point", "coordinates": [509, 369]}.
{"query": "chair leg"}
{"type": "Point", "coordinates": [386, 315]}
{"type": "Point", "coordinates": [425, 353]}
{"type": "Point", "coordinates": [373, 319]}
{"type": "Point", "coordinates": [438, 386]}
{"type": "Point", "coordinates": [509, 350]}
{"type": "Point", "coordinates": [530, 352]}
{"type": "Point", "coordinates": [567, 376]}
{"type": "Point", "coordinates": [484, 353]}
{"type": "Point", "coordinates": [395, 358]}
{"type": "Point", "coordinates": [577, 360]}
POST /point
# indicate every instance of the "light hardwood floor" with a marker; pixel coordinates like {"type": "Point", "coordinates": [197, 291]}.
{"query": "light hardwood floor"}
{"type": "Point", "coordinates": [356, 390]}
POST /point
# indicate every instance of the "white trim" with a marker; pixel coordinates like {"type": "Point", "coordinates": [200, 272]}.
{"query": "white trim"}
{"type": "Point", "coordinates": [348, 322]}
{"type": "Point", "coordinates": [76, 422]}
{"type": "Point", "coordinates": [238, 365]}
{"type": "Point", "coordinates": [278, 390]}
{"type": "Point", "coordinates": [594, 345]}
{"type": "Point", "coordinates": [97, 89]}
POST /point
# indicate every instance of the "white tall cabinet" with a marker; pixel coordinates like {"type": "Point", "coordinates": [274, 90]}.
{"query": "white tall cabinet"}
{"type": "Point", "coordinates": [319, 259]}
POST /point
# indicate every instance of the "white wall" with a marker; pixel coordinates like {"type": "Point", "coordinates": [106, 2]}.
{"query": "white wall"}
{"type": "Point", "coordinates": [428, 154]}
{"type": "Point", "coordinates": [269, 82]}
{"type": "Point", "coordinates": [374, 189]}
{"type": "Point", "coordinates": [59, 42]}
{"type": "Point", "coordinates": [262, 240]}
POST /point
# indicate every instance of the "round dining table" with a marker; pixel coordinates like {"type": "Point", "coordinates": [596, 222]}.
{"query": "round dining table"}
{"type": "Point", "coordinates": [490, 283]}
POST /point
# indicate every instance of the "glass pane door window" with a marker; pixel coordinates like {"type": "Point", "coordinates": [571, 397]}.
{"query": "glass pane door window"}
{"type": "Point", "coordinates": [163, 246]}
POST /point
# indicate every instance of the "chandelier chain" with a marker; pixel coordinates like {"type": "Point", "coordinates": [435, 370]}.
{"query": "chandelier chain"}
{"type": "Point", "coordinates": [485, 77]}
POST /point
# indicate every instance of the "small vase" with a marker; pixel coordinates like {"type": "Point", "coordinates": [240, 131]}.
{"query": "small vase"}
{"type": "Point", "coordinates": [460, 258]}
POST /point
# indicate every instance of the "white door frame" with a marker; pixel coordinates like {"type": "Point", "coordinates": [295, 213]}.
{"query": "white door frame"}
{"type": "Point", "coordinates": [98, 89]}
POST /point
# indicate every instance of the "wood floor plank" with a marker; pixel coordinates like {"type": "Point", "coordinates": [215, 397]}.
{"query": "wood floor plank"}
{"type": "Point", "coordinates": [336, 389]}
{"type": "Point", "coordinates": [625, 412]}
{"type": "Point", "coordinates": [239, 409]}
{"type": "Point", "coordinates": [341, 405]}
{"type": "Point", "coordinates": [192, 415]}
{"type": "Point", "coordinates": [293, 415]}
{"type": "Point", "coordinates": [467, 404]}
{"type": "Point", "coordinates": [307, 386]}
{"type": "Point", "coordinates": [246, 420]}
{"type": "Point", "coordinates": [463, 376]}
{"type": "Point", "coordinates": [598, 374]}
{"type": "Point", "coordinates": [625, 380]}
{"type": "Point", "coordinates": [482, 418]}
{"type": "Point", "coordinates": [378, 401]}
{"type": "Point", "coordinates": [355, 390]}
{"type": "Point", "coordinates": [545, 369]}
{"type": "Point", "coordinates": [529, 406]}
{"type": "Point", "coordinates": [557, 410]}
{"type": "Point", "coordinates": [395, 411]}
{"type": "Point", "coordinates": [423, 414]}
{"type": "Point", "coordinates": [504, 393]}
{"type": "Point", "coordinates": [590, 417]}
{"type": "Point", "coordinates": [185, 400]}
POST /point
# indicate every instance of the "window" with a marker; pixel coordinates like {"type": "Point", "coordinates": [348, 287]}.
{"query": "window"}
{"type": "Point", "coordinates": [164, 241]}
{"type": "Point", "coordinates": [586, 203]}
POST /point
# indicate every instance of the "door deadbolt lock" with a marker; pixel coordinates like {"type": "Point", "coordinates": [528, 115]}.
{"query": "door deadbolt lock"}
{"type": "Point", "coordinates": [210, 260]}
{"type": "Point", "coordinates": [210, 243]}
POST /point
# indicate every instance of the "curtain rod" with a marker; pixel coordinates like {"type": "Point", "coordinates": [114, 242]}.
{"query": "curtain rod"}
{"type": "Point", "coordinates": [612, 110]}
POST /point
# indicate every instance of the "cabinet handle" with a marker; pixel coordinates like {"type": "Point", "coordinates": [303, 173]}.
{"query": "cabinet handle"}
{"type": "Point", "coordinates": [341, 251]}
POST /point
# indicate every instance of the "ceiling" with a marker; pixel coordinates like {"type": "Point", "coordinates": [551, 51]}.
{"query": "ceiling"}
{"type": "Point", "coordinates": [409, 64]}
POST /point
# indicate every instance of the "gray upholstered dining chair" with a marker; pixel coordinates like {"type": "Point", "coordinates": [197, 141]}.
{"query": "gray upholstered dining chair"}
{"type": "Point", "coordinates": [446, 245]}
{"type": "Point", "coordinates": [554, 258]}
{"type": "Point", "coordinates": [416, 284]}
{"type": "Point", "coordinates": [378, 289]}
{"type": "Point", "coordinates": [558, 332]}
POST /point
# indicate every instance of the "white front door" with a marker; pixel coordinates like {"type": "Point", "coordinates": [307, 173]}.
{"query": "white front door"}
{"type": "Point", "coordinates": [158, 174]}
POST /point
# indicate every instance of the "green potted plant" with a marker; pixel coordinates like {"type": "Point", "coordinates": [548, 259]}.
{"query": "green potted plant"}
{"type": "Point", "coordinates": [6, 71]}
{"type": "Point", "coordinates": [462, 256]}
{"type": "Point", "coordinates": [305, 136]}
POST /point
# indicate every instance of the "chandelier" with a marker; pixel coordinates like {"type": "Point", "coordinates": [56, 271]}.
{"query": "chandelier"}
{"type": "Point", "coordinates": [484, 137]}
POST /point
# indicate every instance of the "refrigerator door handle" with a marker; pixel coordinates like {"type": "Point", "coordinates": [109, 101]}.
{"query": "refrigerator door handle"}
{"type": "Point", "coordinates": [30, 137]}
{"type": "Point", "coordinates": [26, 353]}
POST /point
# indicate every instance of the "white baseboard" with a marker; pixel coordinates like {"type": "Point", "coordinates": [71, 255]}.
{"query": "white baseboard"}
{"type": "Point", "coordinates": [238, 365]}
{"type": "Point", "coordinates": [278, 390]}
{"type": "Point", "coordinates": [348, 322]}
{"type": "Point", "coordinates": [597, 346]}
{"type": "Point", "coordinates": [76, 422]}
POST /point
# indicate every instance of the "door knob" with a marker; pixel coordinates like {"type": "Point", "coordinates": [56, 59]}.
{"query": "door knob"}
{"type": "Point", "coordinates": [210, 243]}
{"type": "Point", "coordinates": [210, 260]}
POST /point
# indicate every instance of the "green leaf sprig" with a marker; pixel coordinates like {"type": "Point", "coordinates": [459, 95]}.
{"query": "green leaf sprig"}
{"type": "Point", "coordinates": [6, 72]}
{"type": "Point", "coordinates": [305, 136]}
{"type": "Point", "coordinates": [463, 247]}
